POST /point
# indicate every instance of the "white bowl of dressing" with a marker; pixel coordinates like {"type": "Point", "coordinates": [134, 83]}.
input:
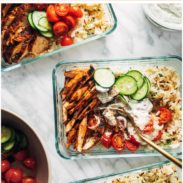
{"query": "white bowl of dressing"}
{"type": "Point", "coordinates": [166, 16]}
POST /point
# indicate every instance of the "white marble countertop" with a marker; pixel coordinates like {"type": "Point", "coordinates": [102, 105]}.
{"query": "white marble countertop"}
{"type": "Point", "coordinates": [27, 91]}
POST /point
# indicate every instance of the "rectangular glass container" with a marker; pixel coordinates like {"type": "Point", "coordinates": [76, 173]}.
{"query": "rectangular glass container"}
{"type": "Point", "coordinates": [97, 151]}
{"type": "Point", "coordinates": [106, 178]}
{"type": "Point", "coordinates": [113, 22]}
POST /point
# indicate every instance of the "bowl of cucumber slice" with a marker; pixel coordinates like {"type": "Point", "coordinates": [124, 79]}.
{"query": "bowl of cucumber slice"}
{"type": "Point", "coordinates": [20, 144]}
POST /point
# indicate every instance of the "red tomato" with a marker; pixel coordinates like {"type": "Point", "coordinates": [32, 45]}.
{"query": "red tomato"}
{"type": "Point", "coordinates": [118, 142]}
{"type": "Point", "coordinates": [28, 180]}
{"type": "Point", "coordinates": [149, 127]}
{"type": "Point", "coordinates": [40, 6]}
{"type": "Point", "coordinates": [106, 139]}
{"type": "Point", "coordinates": [70, 21]}
{"type": "Point", "coordinates": [30, 163]}
{"type": "Point", "coordinates": [21, 155]}
{"type": "Point", "coordinates": [62, 9]}
{"type": "Point", "coordinates": [134, 141]}
{"type": "Point", "coordinates": [51, 14]}
{"type": "Point", "coordinates": [2, 181]}
{"type": "Point", "coordinates": [76, 12]}
{"type": "Point", "coordinates": [165, 115]}
{"type": "Point", "coordinates": [60, 28]}
{"type": "Point", "coordinates": [158, 137]}
{"type": "Point", "coordinates": [66, 41]}
{"type": "Point", "coordinates": [14, 175]}
{"type": "Point", "coordinates": [5, 165]}
{"type": "Point", "coordinates": [130, 146]}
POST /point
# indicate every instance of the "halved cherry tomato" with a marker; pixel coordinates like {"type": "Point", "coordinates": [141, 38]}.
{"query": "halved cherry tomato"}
{"type": "Point", "coordinates": [66, 41]}
{"type": "Point", "coordinates": [158, 137]}
{"type": "Point", "coordinates": [40, 6]}
{"type": "Point", "coordinates": [134, 141]}
{"type": "Point", "coordinates": [5, 166]}
{"type": "Point", "coordinates": [165, 115]}
{"type": "Point", "coordinates": [30, 163]}
{"type": "Point", "coordinates": [62, 9]}
{"type": "Point", "coordinates": [29, 180]}
{"type": "Point", "coordinates": [130, 146]}
{"type": "Point", "coordinates": [51, 14]}
{"type": "Point", "coordinates": [76, 12]}
{"type": "Point", "coordinates": [106, 139]}
{"type": "Point", "coordinates": [60, 28]}
{"type": "Point", "coordinates": [21, 155]}
{"type": "Point", "coordinates": [14, 175]}
{"type": "Point", "coordinates": [70, 21]}
{"type": "Point", "coordinates": [149, 127]}
{"type": "Point", "coordinates": [118, 142]}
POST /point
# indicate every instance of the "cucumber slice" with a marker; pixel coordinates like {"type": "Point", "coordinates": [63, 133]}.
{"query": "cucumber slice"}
{"type": "Point", "coordinates": [104, 77]}
{"type": "Point", "coordinates": [36, 16]}
{"type": "Point", "coordinates": [126, 85]}
{"type": "Point", "coordinates": [149, 84]}
{"type": "Point", "coordinates": [30, 20]}
{"type": "Point", "coordinates": [123, 99]}
{"type": "Point", "coordinates": [142, 92]}
{"type": "Point", "coordinates": [43, 22]}
{"type": "Point", "coordinates": [137, 76]}
{"type": "Point", "coordinates": [47, 34]}
{"type": "Point", "coordinates": [6, 134]}
{"type": "Point", "coordinates": [8, 146]}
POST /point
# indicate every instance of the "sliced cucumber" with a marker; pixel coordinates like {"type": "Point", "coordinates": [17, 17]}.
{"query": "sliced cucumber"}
{"type": "Point", "coordinates": [104, 77]}
{"type": "Point", "coordinates": [48, 34]}
{"type": "Point", "coordinates": [141, 92]}
{"type": "Point", "coordinates": [36, 16]}
{"type": "Point", "coordinates": [6, 134]}
{"type": "Point", "coordinates": [30, 20]}
{"type": "Point", "coordinates": [149, 84]}
{"type": "Point", "coordinates": [43, 22]}
{"type": "Point", "coordinates": [123, 99]}
{"type": "Point", "coordinates": [126, 85]}
{"type": "Point", "coordinates": [9, 146]}
{"type": "Point", "coordinates": [137, 76]}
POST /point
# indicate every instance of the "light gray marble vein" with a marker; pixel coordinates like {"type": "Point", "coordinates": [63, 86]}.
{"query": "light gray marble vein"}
{"type": "Point", "coordinates": [28, 91]}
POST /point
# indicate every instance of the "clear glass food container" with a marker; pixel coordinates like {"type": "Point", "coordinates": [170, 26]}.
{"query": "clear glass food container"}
{"type": "Point", "coordinates": [113, 22]}
{"type": "Point", "coordinates": [109, 178]}
{"type": "Point", "coordinates": [98, 151]}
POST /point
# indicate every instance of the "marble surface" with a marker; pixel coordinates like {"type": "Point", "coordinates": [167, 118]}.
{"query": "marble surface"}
{"type": "Point", "coordinates": [27, 91]}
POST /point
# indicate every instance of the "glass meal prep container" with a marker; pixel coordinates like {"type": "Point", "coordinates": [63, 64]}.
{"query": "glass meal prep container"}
{"type": "Point", "coordinates": [113, 22]}
{"type": "Point", "coordinates": [98, 151]}
{"type": "Point", "coordinates": [109, 178]}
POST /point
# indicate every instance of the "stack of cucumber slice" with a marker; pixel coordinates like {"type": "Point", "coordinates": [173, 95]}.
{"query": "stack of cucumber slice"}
{"type": "Point", "coordinates": [133, 84]}
{"type": "Point", "coordinates": [12, 140]}
{"type": "Point", "coordinates": [38, 20]}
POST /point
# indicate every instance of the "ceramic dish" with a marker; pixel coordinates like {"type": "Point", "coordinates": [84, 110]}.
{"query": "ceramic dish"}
{"type": "Point", "coordinates": [113, 22]}
{"type": "Point", "coordinates": [98, 151]}
{"type": "Point", "coordinates": [36, 147]}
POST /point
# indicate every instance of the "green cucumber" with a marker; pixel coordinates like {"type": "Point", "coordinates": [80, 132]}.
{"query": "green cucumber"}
{"type": "Point", "coordinates": [149, 84]}
{"type": "Point", "coordinates": [43, 22]}
{"type": "Point", "coordinates": [30, 20]}
{"type": "Point", "coordinates": [104, 77]}
{"type": "Point", "coordinates": [137, 76]}
{"type": "Point", "coordinates": [126, 85]}
{"type": "Point", "coordinates": [6, 134]}
{"type": "Point", "coordinates": [141, 92]}
{"type": "Point", "coordinates": [48, 34]}
{"type": "Point", "coordinates": [9, 146]}
{"type": "Point", "coordinates": [36, 16]}
{"type": "Point", "coordinates": [123, 99]}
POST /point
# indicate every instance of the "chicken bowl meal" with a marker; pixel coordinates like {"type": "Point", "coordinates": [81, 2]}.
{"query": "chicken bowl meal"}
{"type": "Point", "coordinates": [100, 103]}
{"type": "Point", "coordinates": [31, 30]}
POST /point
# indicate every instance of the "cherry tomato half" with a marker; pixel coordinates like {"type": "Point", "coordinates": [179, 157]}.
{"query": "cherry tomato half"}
{"type": "Point", "coordinates": [29, 180]}
{"type": "Point", "coordinates": [14, 175]}
{"type": "Point", "coordinates": [118, 142]}
{"type": "Point", "coordinates": [40, 6]}
{"type": "Point", "coordinates": [158, 137]}
{"type": "Point", "coordinates": [62, 9]}
{"type": "Point", "coordinates": [70, 21]}
{"type": "Point", "coordinates": [5, 165]}
{"type": "Point", "coordinates": [130, 146]}
{"type": "Point", "coordinates": [51, 14]}
{"type": "Point", "coordinates": [106, 139]}
{"type": "Point", "coordinates": [60, 28]}
{"type": "Point", "coordinates": [165, 115]}
{"type": "Point", "coordinates": [149, 127]}
{"type": "Point", "coordinates": [76, 12]}
{"type": "Point", "coordinates": [21, 155]}
{"type": "Point", "coordinates": [134, 141]}
{"type": "Point", "coordinates": [30, 163]}
{"type": "Point", "coordinates": [66, 41]}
